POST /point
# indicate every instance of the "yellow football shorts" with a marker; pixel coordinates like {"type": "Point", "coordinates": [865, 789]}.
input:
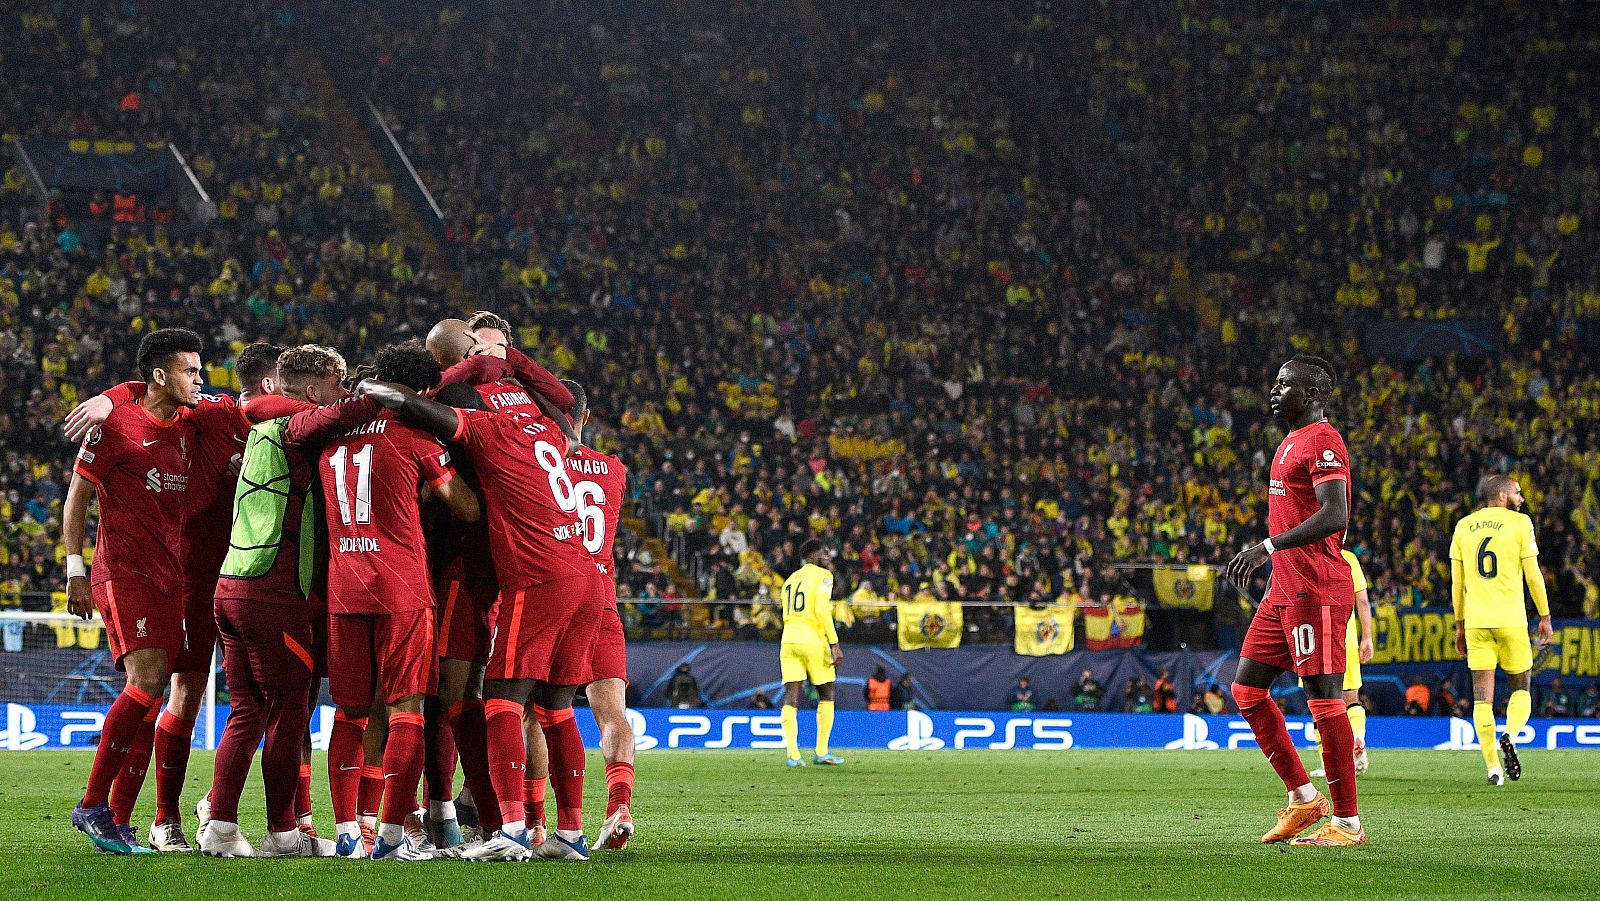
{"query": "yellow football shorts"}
{"type": "Point", "coordinates": [1508, 646]}
{"type": "Point", "coordinates": [1352, 655]}
{"type": "Point", "coordinates": [803, 661]}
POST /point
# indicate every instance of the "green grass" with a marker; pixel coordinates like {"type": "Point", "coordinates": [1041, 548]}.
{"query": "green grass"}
{"type": "Point", "coordinates": [971, 824]}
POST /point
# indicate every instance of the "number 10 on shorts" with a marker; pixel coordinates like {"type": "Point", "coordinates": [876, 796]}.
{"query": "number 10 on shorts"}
{"type": "Point", "coordinates": [1305, 641]}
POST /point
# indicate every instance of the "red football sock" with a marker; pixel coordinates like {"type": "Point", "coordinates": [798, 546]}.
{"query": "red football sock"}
{"type": "Point", "coordinates": [344, 765]}
{"type": "Point", "coordinates": [619, 786]}
{"type": "Point", "coordinates": [566, 763]}
{"type": "Point", "coordinates": [302, 795]}
{"type": "Point", "coordinates": [533, 798]}
{"type": "Point", "coordinates": [1272, 733]}
{"type": "Point", "coordinates": [130, 779]}
{"type": "Point", "coordinates": [371, 794]}
{"type": "Point", "coordinates": [117, 736]}
{"type": "Point", "coordinates": [174, 737]}
{"type": "Point", "coordinates": [402, 767]}
{"type": "Point", "coordinates": [441, 755]}
{"type": "Point", "coordinates": [1338, 752]}
{"type": "Point", "coordinates": [470, 730]}
{"type": "Point", "coordinates": [508, 757]}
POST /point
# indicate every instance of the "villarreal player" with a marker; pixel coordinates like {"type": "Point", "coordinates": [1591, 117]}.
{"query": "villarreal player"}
{"type": "Point", "coordinates": [1492, 553]}
{"type": "Point", "coordinates": [810, 648]}
{"type": "Point", "coordinates": [1358, 650]}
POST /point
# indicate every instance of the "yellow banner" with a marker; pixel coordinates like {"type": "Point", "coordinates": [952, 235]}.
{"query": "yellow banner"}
{"type": "Point", "coordinates": [1044, 632]}
{"type": "Point", "coordinates": [1187, 587]}
{"type": "Point", "coordinates": [928, 624]}
{"type": "Point", "coordinates": [1429, 636]}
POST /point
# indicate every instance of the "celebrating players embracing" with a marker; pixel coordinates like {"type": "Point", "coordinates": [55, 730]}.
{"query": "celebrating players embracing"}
{"type": "Point", "coordinates": [1301, 624]}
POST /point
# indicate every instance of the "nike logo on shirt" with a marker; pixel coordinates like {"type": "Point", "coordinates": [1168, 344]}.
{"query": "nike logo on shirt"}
{"type": "Point", "coordinates": [151, 441]}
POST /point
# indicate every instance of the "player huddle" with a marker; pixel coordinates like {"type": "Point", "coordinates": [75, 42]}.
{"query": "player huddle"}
{"type": "Point", "coordinates": [438, 544]}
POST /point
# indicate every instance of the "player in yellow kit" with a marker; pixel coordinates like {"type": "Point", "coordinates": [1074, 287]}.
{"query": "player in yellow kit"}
{"type": "Point", "coordinates": [1492, 553]}
{"type": "Point", "coordinates": [1358, 648]}
{"type": "Point", "coordinates": [810, 648]}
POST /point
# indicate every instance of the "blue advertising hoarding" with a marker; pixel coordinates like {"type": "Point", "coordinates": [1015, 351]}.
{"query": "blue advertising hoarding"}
{"type": "Point", "coordinates": [40, 726]}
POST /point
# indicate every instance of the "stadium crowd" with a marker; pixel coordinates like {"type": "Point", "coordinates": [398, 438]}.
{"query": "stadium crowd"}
{"type": "Point", "coordinates": [839, 283]}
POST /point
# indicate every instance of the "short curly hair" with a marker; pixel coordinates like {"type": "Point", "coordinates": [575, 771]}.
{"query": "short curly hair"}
{"type": "Point", "coordinates": [299, 366]}
{"type": "Point", "coordinates": [408, 363]}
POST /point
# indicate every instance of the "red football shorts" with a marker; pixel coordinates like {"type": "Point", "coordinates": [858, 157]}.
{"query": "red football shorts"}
{"type": "Point", "coordinates": [546, 631]}
{"type": "Point", "coordinates": [465, 610]}
{"type": "Point", "coordinates": [199, 623]}
{"type": "Point", "coordinates": [608, 656]}
{"type": "Point", "coordinates": [266, 647]}
{"type": "Point", "coordinates": [1304, 639]}
{"type": "Point", "coordinates": [391, 652]}
{"type": "Point", "coordinates": [139, 615]}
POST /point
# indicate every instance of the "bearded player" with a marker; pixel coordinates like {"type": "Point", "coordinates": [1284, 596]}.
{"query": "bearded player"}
{"type": "Point", "coordinates": [600, 481]}
{"type": "Point", "coordinates": [137, 465]}
{"type": "Point", "coordinates": [1301, 623]}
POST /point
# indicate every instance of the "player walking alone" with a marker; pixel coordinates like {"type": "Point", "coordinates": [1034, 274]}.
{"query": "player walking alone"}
{"type": "Point", "coordinates": [1492, 552]}
{"type": "Point", "coordinates": [1301, 623]}
{"type": "Point", "coordinates": [810, 648]}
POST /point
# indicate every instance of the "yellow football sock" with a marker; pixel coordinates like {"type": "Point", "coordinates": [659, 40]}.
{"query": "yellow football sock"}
{"type": "Point", "coordinates": [1518, 709]}
{"type": "Point", "coordinates": [791, 730]}
{"type": "Point", "coordinates": [1483, 721]}
{"type": "Point", "coordinates": [824, 726]}
{"type": "Point", "coordinates": [1358, 722]}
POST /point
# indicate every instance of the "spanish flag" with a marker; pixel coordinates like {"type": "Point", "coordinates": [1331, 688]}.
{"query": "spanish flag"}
{"type": "Point", "coordinates": [1188, 587]}
{"type": "Point", "coordinates": [928, 624]}
{"type": "Point", "coordinates": [1041, 633]}
{"type": "Point", "coordinates": [1119, 626]}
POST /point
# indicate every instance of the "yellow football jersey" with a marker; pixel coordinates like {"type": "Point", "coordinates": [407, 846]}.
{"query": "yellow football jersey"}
{"type": "Point", "coordinates": [1491, 544]}
{"type": "Point", "coordinates": [807, 598]}
{"type": "Point", "coordinates": [1359, 577]}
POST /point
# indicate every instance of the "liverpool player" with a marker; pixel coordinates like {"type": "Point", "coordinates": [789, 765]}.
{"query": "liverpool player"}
{"type": "Point", "coordinates": [477, 376]}
{"type": "Point", "coordinates": [601, 480]}
{"type": "Point", "coordinates": [1301, 623]}
{"type": "Point", "coordinates": [264, 611]}
{"type": "Point", "coordinates": [137, 465]}
{"type": "Point", "coordinates": [220, 430]}
{"type": "Point", "coordinates": [546, 620]}
{"type": "Point", "coordinates": [380, 600]}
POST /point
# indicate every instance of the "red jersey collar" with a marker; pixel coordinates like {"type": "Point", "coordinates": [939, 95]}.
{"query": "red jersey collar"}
{"type": "Point", "coordinates": [1306, 426]}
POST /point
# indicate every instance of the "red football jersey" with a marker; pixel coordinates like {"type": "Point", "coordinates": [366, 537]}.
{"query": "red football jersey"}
{"type": "Point", "coordinates": [140, 469]}
{"type": "Point", "coordinates": [1315, 573]}
{"type": "Point", "coordinates": [372, 478]}
{"type": "Point", "coordinates": [599, 482]}
{"type": "Point", "coordinates": [461, 549]}
{"type": "Point", "coordinates": [220, 434]}
{"type": "Point", "coordinates": [535, 530]}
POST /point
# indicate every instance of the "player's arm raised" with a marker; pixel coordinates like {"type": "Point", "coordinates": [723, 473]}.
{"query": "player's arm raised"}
{"type": "Point", "coordinates": [1332, 515]}
{"type": "Point", "coordinates": [74, 524]}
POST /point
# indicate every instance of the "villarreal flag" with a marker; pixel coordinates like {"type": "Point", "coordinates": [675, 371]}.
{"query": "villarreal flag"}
{"type": "Point", "coordinates": [1041, 633]}
{"type": "Point", "coordinates": [928, 624]}
{"type": "Point", "coordinates": [1188, 587]}
{"type": "Point", "coordinates": [1120, 625]}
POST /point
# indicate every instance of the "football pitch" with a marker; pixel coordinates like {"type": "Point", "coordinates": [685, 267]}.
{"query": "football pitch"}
{"type": "Point", "coordinates": [936, 824]}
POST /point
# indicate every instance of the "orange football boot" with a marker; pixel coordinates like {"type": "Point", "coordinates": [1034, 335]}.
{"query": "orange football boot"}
{"type": "Point", "coordinates": [1297, 818]}
{"type": "Point", "coordinates": [1331, 835]}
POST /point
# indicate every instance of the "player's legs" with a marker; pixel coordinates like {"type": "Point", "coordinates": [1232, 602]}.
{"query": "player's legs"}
{"type": "Point", "coordinates": [352, 677]}
{"type": "Point", "coordinates": [567, 765]}
{"type": "Point", "coordinates": [1519, 707]}
{"type": "Point", "coordinates": [147, 676]}
{"type": "Point", "coordinates": [403, 644]}
{"type": "Point", "coordinates": [819, 666]}
{"type": "Point", "coordinates": [173, 739]}
{"type": "Point", "coordinates": [1482, 658]}
{"type": "Point", "coordinates": [461, 694]}
{"type": "Point", "coordinates": [608, 701]}
{"type": "Point", "coordinates": [240, 737]}
{"type": "Point", "coordinates": [1317, 635]}
{"type": "Point", "coordinates": [504, 701]}
{"type": "Point", "coordinates": [537, 777]}
{"type": "Point", "coordinates": [792, 665]}
{"type": "Point", "coordinates": [403, 758]}
{"type": "Point", "coordinates": [1264, 657]}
